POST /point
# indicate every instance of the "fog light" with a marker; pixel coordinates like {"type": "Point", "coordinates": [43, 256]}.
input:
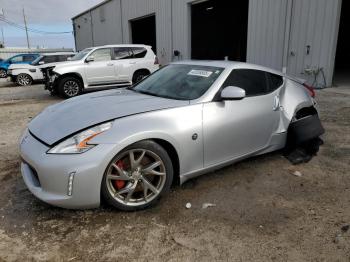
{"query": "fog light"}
{"type": "Point", "coordinates": [70, 183]}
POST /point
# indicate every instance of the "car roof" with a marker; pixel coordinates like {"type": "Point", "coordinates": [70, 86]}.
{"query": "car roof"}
{"type": "Point", "coordinates": [124, 45]}
{"type": "Point", "coordinates": [58, 53]}
{"type": "Point", "coordinates": [229, 65]}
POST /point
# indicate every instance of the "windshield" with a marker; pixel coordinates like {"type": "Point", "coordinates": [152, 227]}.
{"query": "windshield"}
{"type": "Point", "coordinates": [36, 61]}
{"type": "Point", "coordinates": [81, 54]}
{"type": "Point", "coordinates": [180, 82]}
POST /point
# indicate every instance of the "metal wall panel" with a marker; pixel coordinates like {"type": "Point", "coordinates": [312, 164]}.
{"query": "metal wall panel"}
{"type": "Point", "coordinates": [83, 31]}
{"type": "Point", "coordinates": [313, 38]}
{"type": "Point", "coordinates": [134, 9]}
{"type": "Point", "coordinates": [106, 22]}
{"type": "Point", "coordinates": [266, 32]}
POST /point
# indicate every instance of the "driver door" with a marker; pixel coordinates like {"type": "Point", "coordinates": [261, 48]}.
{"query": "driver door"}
{"type": "Point", "coordinates": [100, 71]}
{"type": "Point", "coordinates": [234, 128]}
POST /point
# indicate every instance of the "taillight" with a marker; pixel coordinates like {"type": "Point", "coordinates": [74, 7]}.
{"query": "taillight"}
{"type": "Point", "coordinates": [310, 89]}
{"type": "Point", "coordinates": [156, 61]}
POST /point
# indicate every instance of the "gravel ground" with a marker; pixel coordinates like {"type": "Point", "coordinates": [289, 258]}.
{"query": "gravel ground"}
{"type": "Point", "coordinates": [262, 212]}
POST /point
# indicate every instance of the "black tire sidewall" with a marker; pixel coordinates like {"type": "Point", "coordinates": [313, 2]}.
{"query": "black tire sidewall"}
{"type": "Point", "coordinates": [137, 74]}
{"type": "Point", "coordinates": [161, 152]}
{"type": "Point", "coordinates": [29, 77]}
{"type": "Point", "coordinates": [63, 81]}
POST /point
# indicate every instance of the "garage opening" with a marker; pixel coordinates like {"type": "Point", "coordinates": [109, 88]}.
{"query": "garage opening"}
{"type": "Point", "coordinates": [342, 59]}
{"type": "Point", "coordinates": [143, 31]}
{"type": "Point", "coordinates": [219, 29]}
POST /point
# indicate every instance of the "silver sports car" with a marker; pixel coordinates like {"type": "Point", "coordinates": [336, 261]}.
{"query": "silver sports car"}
{"type": "Point", "coordinates": [188, 118]}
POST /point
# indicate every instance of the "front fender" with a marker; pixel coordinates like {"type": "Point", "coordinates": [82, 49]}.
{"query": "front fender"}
{"type": "Point", "coordinates": [176, 126]}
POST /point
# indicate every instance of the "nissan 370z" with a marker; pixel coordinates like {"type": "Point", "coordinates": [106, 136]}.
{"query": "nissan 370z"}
{"type": "Point", "coordinates": [127, 146]}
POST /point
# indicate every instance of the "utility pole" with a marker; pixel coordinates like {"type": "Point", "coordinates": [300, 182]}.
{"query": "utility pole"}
{"type": "Point", "coordinates": [25, 25]}
{"type": "Point", "coordinates": [2, 15]}
{"type": "Point", "coordinates": [3, 38]}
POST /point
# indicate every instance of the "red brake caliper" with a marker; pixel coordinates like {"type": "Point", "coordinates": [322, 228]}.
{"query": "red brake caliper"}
{"type": "Point", "coordinates": [119, 184]}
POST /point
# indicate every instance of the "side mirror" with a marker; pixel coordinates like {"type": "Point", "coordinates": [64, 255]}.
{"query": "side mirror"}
{"type": "Point", "coordinates": [69, 59]}
{"type": "Point", "coordinates": [9, 61]}
{"type": "Point", "coordinates": [41, 62]}
{"type": "Point", "coordinates": [232, 93]}
{"type": "Point", "coordinates": [90, 59]}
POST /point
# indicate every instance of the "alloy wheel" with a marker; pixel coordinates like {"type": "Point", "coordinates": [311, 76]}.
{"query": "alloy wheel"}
{"type": "Point", "coordinates": [71, 88]}
{"type": "Point", "coordinates": [23, 80]}
{"type": "Point", "coordinates": [3, 73]}
{"type": "Point", "coordinates": [136, 177]}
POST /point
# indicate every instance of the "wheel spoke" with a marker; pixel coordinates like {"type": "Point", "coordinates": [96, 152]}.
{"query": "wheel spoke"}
{"type": "Point", "coordinates": [149, 170]}
{"type": "Point", "coordinates": [122, 175]}
{"type": "Point", "coordinates": [147, 185]}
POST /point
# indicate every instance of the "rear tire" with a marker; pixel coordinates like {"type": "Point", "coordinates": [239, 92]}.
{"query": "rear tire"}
{"type": "Point", "coordinates": [139, 75]}
{"type": "Point", "coordinates": [3, 73]}
{"type": "Point", "coordinates": [24, 80]}
{"type": "Point", "coordinates": [137, 177]}
{"type": "Point", "coordinates": [69, 87]}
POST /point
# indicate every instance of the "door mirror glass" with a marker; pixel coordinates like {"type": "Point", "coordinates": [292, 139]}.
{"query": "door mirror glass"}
{"type": "Point", "coordinates": [232, 93]}
{"type": "Point", "coordinates": [90, 59]}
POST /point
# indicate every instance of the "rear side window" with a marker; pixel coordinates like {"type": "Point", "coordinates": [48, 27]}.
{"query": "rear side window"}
{"type": "Point", "coordinates": [254, 82]}
{"type": "Point", "coordinates": [139, 52]}
{"type": "Point", "coordinates": [275, 81]}
{"type": "Point", "coordinates": [17, 59]}
{"type": "Point", "coordinates": [122, 53]}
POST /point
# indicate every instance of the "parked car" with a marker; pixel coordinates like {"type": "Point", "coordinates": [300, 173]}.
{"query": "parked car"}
{"type": "Point", "coordinates": [188, 118]}
{"type": "Point", "coordinates": [101, 67]}
{"type": "Point", "coordinates": [17, 59]}
{"type": "Point", "coordinates": [25, 74]}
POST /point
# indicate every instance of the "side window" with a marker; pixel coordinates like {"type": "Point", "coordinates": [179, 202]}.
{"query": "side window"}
{"type": "Point", "coordinates": [49, 59]}
{"type": "Point", "coordinates": [275, 81]}
{"type": "Point", "coordinates": [102, 55]}
{"type": "Point", "coordinates": [17, 59]}
{"type": "Point", "coordinates": [254, 82]}
{"type": "Point", "coordinates": [122, 53]}
{"type": "Point", "coordinates": [139, 52]}
{"type": "Point", "coordinates": [28, 58]}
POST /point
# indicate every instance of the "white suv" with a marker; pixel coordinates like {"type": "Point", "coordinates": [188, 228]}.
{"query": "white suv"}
{"type": "Point", "coordinates": [25, 74]}
{"type": "Point", "coordinates": [101, 67]}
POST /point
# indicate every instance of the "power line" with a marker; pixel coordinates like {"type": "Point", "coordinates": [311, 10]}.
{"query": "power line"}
{"type": "Point", "coordinates": [32, 30]}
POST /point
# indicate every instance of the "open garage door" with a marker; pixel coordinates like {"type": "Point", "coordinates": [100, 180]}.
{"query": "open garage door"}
{"type": "Point", "coordinates": [219, 30]}
{"type": "Point", "coordinates": [342, 59]}
{"type": "Point", "coordinates": [143, 31]}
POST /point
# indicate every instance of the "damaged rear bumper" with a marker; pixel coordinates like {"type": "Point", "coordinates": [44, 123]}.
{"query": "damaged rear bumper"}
{"type": "Point", "coordinates": [305, 129]}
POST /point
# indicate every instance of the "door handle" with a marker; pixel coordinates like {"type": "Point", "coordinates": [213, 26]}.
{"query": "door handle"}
{"type": "Point", "coordinates": [110, 64]}
{"type": "Point", "coordinates": [132, 63]}
{"type": "Point", "coordinates": [276, 103]}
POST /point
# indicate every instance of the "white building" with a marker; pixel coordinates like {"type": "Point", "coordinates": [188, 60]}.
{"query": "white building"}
{"type": "Point", "coordinates": [299, 37]}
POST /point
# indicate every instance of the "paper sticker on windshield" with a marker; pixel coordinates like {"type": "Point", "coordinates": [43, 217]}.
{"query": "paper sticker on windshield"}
{"type": "Point", "coordinates": [201, 73]}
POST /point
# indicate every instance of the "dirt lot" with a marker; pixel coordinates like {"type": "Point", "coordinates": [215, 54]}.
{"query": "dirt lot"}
{"type": "Point", "coordinates": [262, 212]}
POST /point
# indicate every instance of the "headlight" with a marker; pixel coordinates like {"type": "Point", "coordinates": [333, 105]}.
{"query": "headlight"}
{"type": "Point", "coordinates": [79, 143]}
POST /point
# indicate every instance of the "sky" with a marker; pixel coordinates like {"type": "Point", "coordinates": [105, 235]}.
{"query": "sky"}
{"type": "Point", "coordinates": [44, 15]}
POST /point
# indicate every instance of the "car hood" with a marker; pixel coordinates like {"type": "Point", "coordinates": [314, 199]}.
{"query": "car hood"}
{"type": "Point", "coordinates": [61, 120]}
{"type": "Point", "coordinates": [21, 66]}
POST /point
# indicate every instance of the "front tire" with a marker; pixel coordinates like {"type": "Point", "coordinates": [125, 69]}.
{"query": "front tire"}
{"type": "Point", "coordinates": [137, 177]}
{"type": "Point", "coordinates": [3, 73]}
{"type": "Point", "coordinates": [24, 80]}
{"type": "Point", "coordinates": [69, 87]}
